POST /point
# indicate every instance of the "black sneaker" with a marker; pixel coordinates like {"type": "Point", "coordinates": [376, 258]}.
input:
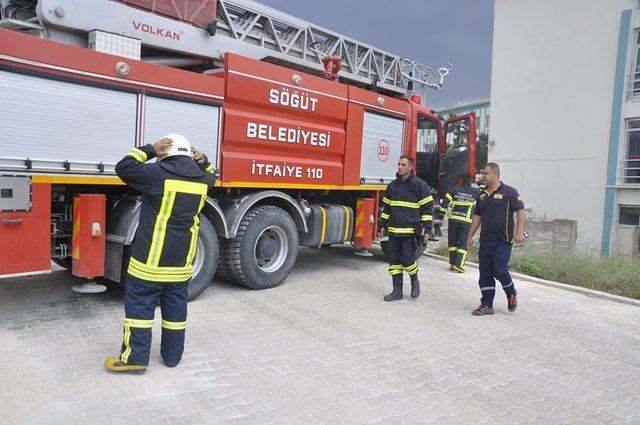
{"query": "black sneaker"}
{"type": "Point", "coordinates": [512, 301]}
{"type": "Point", "coordinates": [482, 310]}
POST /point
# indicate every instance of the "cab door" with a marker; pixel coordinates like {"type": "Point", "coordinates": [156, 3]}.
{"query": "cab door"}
{"type": "Point", "coordinates": [426, 142]}
{"type": "Point", "coordinates": [458, 151]}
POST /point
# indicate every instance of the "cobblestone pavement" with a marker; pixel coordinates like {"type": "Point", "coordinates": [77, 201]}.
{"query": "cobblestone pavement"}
{"type": "Point", "coordinates": [324, 348]}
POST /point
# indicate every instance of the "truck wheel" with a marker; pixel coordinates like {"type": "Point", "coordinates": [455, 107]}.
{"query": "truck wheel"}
{"type": "Point", "coordinates": [264, 250]}
{"type": "Point", "coordinates": [205, 262]}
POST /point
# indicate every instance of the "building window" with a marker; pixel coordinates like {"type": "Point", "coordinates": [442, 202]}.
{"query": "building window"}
{"type": "Point", "coordinates": [630, 215]}
{"type": "Point", "coordinates": [631, 162]}
{"type": "Point", "coordinates": [488, 120]}
{"type": "Point", "coordinates": [634, 84]}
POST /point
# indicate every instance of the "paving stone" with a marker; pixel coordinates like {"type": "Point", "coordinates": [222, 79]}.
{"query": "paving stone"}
{"type": "Point", "coordinates": [324, 348]}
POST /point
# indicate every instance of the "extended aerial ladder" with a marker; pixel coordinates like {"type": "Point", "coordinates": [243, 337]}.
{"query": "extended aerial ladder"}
{"type": "Point", "coordinates": [197, 34]}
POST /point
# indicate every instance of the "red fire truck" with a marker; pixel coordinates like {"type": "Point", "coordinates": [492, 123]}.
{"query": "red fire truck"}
{"type": "Point", "coordinates": [304, 126]}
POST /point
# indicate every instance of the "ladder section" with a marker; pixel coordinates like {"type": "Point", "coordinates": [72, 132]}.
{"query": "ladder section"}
{"type": "Point", "coordinates": [287, 39]}
{"type": "Point", "coordinates": [243, 27]}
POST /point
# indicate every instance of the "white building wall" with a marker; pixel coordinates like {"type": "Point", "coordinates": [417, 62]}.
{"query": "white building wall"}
{"type": "Point", "coordinates": [552, 89]}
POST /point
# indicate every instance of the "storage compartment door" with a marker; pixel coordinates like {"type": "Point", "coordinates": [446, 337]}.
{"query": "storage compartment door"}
{"type": "Point", "coordinates": [199, 123]}
{"type": "Point", "coordinates": [50, 122]}
{"type": "Point", "coordinates": [381, 148]}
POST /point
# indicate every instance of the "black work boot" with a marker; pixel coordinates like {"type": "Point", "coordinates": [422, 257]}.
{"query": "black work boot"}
{"type": "Point", "coordinates": [415, 286]}
{"type": "Point", "coordinates": [396, 294]}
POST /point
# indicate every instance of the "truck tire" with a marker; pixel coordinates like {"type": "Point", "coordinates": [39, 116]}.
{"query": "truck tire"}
{"type": "Point", "coordinates": [264, 250]}
{"type": "Point", "coordinates": [205, 262]}
{"type": "Point", "coordinates": [221, 271]}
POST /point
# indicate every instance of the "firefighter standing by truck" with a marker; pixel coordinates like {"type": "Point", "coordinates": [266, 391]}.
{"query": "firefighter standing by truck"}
{"type": "Point", "coordinates": [406, 216]}
{"type": "Point", "coordinates": [461, 201]}
{"type": "Point", "coordinates": [174, 190]}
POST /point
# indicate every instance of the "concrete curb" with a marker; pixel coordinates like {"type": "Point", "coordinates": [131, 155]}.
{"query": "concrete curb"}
{"type": "Point", "coordinates": [585, 291]}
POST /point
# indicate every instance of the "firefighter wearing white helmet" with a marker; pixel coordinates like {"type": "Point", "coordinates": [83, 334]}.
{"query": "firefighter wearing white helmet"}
{"type": "Point", "coordinates": [174, 190]}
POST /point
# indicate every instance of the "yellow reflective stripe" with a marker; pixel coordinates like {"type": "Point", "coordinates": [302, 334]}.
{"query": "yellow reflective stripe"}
{"type": "Point", "coordinates": [181, 186]}
{"type": "Point", "coordinates": [453, 248]}
{"type": "Point", "coordinates": [412, 269]}
{"type": "Point", "coordinates": [158, 278]}
{"type": "Point", "coordinates": [426, 200]}
{"type": "Point", "coordinates": [138, 323]}
{"type": "Point", "coordinates": [174, 326]}
{"type": "Point", "coordinates": [386, 200]}
{"type": "Point", "coordinates": [160, 228]}
{"type": "Point", "coordinates": [401, 230]}
{"type": "Point", "coordinates": [127, 345]}
{"type": "Point", "coordinates": [194, 233]}
{"type": "Point", "coordinates": [458, 218]}
{"type": "Point", "coordinates": [167, 270]}
{"type": "Point", "coordinates": [404, 204]}
{"type": "Point", "coordinates": [411, 266]}
{"type": "Point", "coordinates": [462, 203]}
{"type": "Point", "coordinates": [384, 215]}
{"type": "Point", "coordinates": [395, 269]}
{"type": "Point", "coordinates": [449, 197]}
{"type": "Point", "coordinates": [210, 169]}
{"type": "Point", "coordinates": [426, 217]}
{"type": "Point", "coordinates": [138, 154]}
{"type": "Point", "coordinates": [323, 232]}
{"type": "Point", "coordinates": [464, 256]}
{"type": "Point", "coordinates": [443, 209]}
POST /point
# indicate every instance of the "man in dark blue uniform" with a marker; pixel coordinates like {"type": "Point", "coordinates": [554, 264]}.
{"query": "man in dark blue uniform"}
{"type": "Point", "coordinates": [493, 212]}
{"type": "Point", "coordinates": [406, 215]}
{"type": "Point", "coordinates": [461, 200]}
{"type": "Point", "coordinates": [174, 190]}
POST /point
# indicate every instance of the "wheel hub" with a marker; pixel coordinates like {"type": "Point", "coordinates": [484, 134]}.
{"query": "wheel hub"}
{"type": "Point", "coordinates": [267, 246]}
{"type": "Point", "coordinates": [271, 249]}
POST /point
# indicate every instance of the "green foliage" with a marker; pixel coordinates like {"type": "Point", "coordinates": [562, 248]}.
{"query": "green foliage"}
{"type": "Point", "coordinates": [482, 149]}
{"type": "Point", "coordinates": [616, 275]}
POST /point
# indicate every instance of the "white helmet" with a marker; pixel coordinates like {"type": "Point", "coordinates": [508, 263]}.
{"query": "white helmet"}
{"type": "Point", "coordinates": [180, 146]}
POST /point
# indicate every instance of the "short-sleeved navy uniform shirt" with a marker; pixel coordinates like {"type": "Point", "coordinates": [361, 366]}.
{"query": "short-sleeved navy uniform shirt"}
{"type": "Point", "coordinates": [496, 213]}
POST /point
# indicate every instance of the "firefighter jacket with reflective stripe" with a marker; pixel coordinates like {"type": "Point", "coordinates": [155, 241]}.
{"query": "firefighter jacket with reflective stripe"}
{"type": "Point", "coordinates": [461, 200]}
{"type": "Point", "coordinates": [406, 207]}
{"type": "Point", "coordinates": [174, 191]}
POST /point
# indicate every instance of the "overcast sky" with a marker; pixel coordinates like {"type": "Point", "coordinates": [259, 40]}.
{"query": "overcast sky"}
{"type": "Point", "coordinates": [433, 32]}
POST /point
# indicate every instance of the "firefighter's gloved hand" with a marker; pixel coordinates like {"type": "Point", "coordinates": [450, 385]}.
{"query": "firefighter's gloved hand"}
{"type": "Point", "coordinates": [198, 156]}
{"type": "Point", "coordinates": [161, 146]}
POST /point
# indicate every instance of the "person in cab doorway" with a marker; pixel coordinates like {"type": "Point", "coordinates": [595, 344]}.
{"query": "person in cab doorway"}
{"type": "Point", "coordinates": [461, 200]}
{"type": "Point", "coordinates": [493, 213]}
{"type": "Point", "coordinates": [406, 214]}
{"type": "Point", "coordinates": [174, 190]}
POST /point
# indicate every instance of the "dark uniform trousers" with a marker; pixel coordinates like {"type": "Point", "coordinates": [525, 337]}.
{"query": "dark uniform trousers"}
{"type": "Point", "coordinates": [457, 239]}
{"type": "Point", "coordinates": [401, 251]}
{"type": "Point", "coordinates": [494, 264]}
{"type": "Point", "coordinates": [140, 303]}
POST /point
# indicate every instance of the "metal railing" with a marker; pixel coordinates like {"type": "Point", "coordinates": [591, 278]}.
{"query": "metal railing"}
{"type": "Point", "coordinates": [629, 171]}
{"type": "Point", "coordinates": [633, 86]}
